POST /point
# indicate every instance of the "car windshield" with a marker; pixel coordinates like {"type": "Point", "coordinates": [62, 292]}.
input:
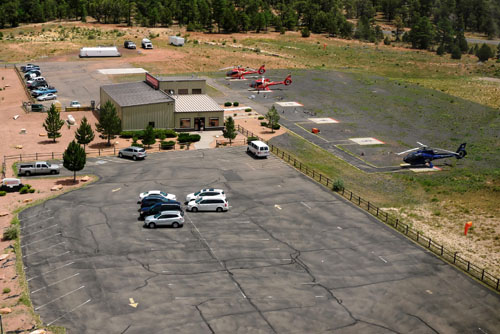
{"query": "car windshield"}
{"type": "Point", "coordinates": [197, 193]}
{"type": "Point", "coordinates": [163, 193]}
{"type": "Point", "coordinates": [198, 200]}
{"type": "Point", "coordinates": [48, 164]}
{"type": "Point", "coordinates": [157, 215]}
{"type": "Point", "coordinates": [141, 150]}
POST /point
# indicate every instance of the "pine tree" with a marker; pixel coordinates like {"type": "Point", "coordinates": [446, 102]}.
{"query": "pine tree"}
{"type": "Point", "coordinates": [273, 118]}
{"type": "Point", "coordinates": [229, 130]}
{"type": "Point", "coordinates": [484, 53]}
{"type": "Point", "coordinates": [53, 123]}
{"type": "Point", "coordinates": [498, 51]}
{"type": "Point", "coordinates": [74, 158]}
{"type": "Point", "coordinates": [149, 136]}
{"type": "Point", "coordinates": [421, 34]}
{"type": "Point", "coordinates": [109, 123]}
{"type": "Point", "coordinates": [456, 53]}
{"type": "Point", "coordinates": [84, 133]}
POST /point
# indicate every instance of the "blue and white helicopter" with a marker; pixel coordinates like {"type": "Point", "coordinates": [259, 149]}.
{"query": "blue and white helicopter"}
{"type": "Point", "coordinates": [423, 155]}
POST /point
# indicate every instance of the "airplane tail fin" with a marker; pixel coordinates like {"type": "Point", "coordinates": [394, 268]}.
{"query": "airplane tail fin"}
{"type": "Point", "coordinates": [288, 80]}
{"type": "Point", "coordinates": [262, 70]}
{"type": "Point", "coordinates": [461, 151]}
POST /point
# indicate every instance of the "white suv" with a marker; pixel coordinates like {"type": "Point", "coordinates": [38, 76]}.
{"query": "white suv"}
{"type": "Point", "coordinates": [165, 218]}
{"type": "Point", "coordinates": [205, 193]}
{"type": "Point", "coordinates": [211, 203]}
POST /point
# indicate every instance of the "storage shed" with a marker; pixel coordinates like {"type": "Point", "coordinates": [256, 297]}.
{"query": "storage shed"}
{"type": "Point", "coordinates": [100, 51]}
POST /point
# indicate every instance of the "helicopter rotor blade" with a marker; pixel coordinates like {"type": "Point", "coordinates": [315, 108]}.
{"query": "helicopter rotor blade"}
{"type": "Point", "coordinates": [410, 150]}
{"type": "Point", "coordinates": [423, 145]}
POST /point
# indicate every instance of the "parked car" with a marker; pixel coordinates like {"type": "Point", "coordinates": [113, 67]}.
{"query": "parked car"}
{"type": "Point", "coordinates": [165, 218]}
{"type": "Point", "coordinates": [32, 74]}
{"type": "Point", "coordinates": [30, 67]}
{"type": "Point", "coordinates": [29, 82]}
{"type": "Point", "coordinates": [205, 193]}
{"type": "Point", "coordinates": [37, 84]}
{"type": "Point", "coordinates": [39, 167]}
{"type": "Point", "coordinates": [153, 199]}
{"type": "Point", "coordinates": [133, 152]}
{"type": "Point", "coordinates": [157, 193]}
{"type": "Point", "coordinates": [43, 90]}
{"type": "Point", "coordinates": [11, 184]}
{"type": "Point", "coordinates": [75, 104]}
{"type": "Point", "coordinates": [211, 203]}
{"type": "Point", "coordinates": [159, 207]}
{"type": "Point", "coordinates": [258, 149]}
{"type": "Point", "coordinates": [46, 97]}
{"type": "Point", "coordinates": [129, 45]}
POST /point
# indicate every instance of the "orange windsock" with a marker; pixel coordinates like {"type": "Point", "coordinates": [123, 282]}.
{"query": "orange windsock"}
{"type": "Point", "coordinates": [468, 225]}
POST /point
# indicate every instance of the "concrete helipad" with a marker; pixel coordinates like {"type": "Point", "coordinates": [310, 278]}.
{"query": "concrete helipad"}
{"type": "Point", "coordinates": [289, 257]}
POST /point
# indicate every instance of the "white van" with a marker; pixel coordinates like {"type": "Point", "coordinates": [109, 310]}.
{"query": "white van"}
{"type": "Point", "coordinates": [258, 149]}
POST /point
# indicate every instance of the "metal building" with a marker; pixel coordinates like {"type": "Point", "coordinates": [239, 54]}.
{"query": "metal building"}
{"type": "Point", "coordinates": [144, 103]}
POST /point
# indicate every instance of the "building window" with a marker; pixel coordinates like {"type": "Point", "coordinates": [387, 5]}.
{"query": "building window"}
{"type": "Point", "coordinates": [196, 90]}
{"type": "Point", "coordinates": [214, 121]}
{"type": "Point", "coordinates": [152, 124]}
{"type": "Point", "coordinates": [185, 122]}
{"type": "Point", "coordinates": [183, 91]}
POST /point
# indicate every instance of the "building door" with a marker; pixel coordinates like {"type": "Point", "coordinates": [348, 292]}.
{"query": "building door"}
{"type": "Point", "coordinates": [199, 123]}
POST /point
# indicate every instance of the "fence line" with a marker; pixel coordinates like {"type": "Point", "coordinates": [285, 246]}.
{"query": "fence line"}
{"type": "Point", "coordinates": [438, 249]}
{"type": "Point", "coordinates": [21, 78]}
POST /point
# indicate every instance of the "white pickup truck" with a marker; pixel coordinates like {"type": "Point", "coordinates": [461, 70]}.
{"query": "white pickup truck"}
{"type": "Point", "coordinates": [37, 168]}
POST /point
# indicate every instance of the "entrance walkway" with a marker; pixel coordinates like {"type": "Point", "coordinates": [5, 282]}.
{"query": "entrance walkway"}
{"type": "Point", "coordinates": [207, 139]}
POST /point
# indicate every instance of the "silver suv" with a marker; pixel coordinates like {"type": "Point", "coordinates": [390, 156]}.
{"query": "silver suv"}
{"type": "Point", "coordinates": [165, 218]}
{"type": "Point", "coordinates": [132, 152]}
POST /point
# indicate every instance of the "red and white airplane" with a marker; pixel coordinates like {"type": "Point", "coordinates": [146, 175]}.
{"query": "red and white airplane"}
{"type": "Point", "coordinates": [239, 72]}
{"type": "Point", "coordinates": [264, 83]}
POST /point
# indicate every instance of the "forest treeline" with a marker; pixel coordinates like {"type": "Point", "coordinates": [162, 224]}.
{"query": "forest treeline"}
{"type": "Point", "coordinates": [432, 22]}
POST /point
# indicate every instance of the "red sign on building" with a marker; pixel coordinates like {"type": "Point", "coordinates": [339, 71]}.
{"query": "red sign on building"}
{"type": "Point", "coordinates": [152, 81]}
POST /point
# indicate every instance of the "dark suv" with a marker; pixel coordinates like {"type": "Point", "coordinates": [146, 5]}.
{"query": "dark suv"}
{"type": "Point", "coordinates": [160, 207]}
{"type": "Point", "coordinates": [151, 200]}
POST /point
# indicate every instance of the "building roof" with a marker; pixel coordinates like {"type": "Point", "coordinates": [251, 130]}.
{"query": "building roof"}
{"type": "Point", "coordinates": [195, 103]}
{"type": "Point", "coordinates": [174, 79]}
{"type": "Point", "coordinates": [135, 93]}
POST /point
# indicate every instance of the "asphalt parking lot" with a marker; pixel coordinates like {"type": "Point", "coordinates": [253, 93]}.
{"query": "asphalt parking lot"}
{"type": "Point", "coordinates": [289, 257]}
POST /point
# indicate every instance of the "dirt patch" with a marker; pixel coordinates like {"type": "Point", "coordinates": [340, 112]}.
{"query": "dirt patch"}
{"type": "Point", "coordinates": [21, 318]}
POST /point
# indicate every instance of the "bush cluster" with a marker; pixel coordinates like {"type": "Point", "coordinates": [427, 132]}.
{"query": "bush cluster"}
{"type": "Point", "coordinates": [236, 103]}
{"type": "Point", "coordinates": [159, 133]}
{"type": "Point", "coordinates": [3, 193]}
{"type": "Point", "coordinates": [263, 123]}
{"type": "Point", "coordinates": [186, 137]}
{"type": "Point", "coordinates": [228, 104]}
{"type": "Point", "coordinates": [11, 233]}
{"type": "Point", "coordinates": [26, 189]}
{"type": "Point", "coordinates": [167, 145]}
{"type": "Point", "coordinates": [249, 139]}
{"type": "Point", "coordinates": [248, 109]}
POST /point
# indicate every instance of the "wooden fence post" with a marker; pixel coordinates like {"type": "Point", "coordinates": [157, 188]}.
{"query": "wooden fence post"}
{"type": "Point", "coordinates": [442, 250]}
{"type": "Point", "coordinates": [418, 233]}
{"type": "Point", "coordinates": [455, 257]}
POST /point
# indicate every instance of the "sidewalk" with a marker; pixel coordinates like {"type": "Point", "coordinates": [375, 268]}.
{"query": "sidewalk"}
{"type": "Point", "coordinates": [207, 139]}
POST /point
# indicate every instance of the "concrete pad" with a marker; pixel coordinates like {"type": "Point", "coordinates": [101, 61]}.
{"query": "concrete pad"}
{"type": "Point", "coordinates": [289, 104]}
{"type": "Point", "coordinates": [323, 120]}
{"type": "Point", "coordinates": [111, 71]}
{"type": "Point", "coordinates": [366, 141]}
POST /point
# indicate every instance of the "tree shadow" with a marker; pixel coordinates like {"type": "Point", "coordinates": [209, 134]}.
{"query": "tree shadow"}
{"type": "Point", "coordinates": [47, 142]}
{"type": "Point", "coordinates": [67, 182]}
{"type": "Point", "coordinates": [101, 145]}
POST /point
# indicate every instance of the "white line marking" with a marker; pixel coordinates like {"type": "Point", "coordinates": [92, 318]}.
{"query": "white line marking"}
{"type": "Point", "coordinates": [34, 242]}
{"type": "Point", "coordinates": [277, 206]}
{"type": "Point", "coordinates": [41, 250]}
{"type": "Point", "coordinates": [53, 257]}
{"type": "Point", "coordinates": [38, 214]}
{"type": "Point", "coordinates": [114, 190]}
{"type": "Point", "coordinates": [380, 257]}
{"type": "Point", "coordinates": [38, 221]}
{"type": "Point", "coordinates": [304, 204]}
{"type": "Point", "coordinates": [244, 222]}
{"type": "Point", "coordinates": [167, 242]}
{"type": "Point", "coordinates": [50, 323]}
{"type": "Point", "coordinates": [64, 279]}
{"type": "Point", "coordinates": [338, 227]}
{"type": "Point", "coordinates": [312, 283]}
{"type": "Point", "coordinates": [319, 296]}
{"type": "Point", "coordinates": [67, 264]}
{"type": "Point", "coordinates": [252, 167]}
{"type": "Point", "coordinates": [66, 294]}
{"type": "Point", "coordinates": [482, 330]}
{"type": "Point", "coordinates": [39, 230]}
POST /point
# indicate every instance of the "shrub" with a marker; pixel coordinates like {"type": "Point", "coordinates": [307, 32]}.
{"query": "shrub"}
{"type": "Point", "coordinates": [456, 53]}
{"type": "Point", "coordinates": [248, 109]}
{"type": "Point", "coordinates": [440, 50]}
{"type": "Point", "coordinates": [235, 114]}
{"type": "Point", "coordinates": [31, 191]}
{"type": "Point", "coordinates": [275, 126]}
{"type": "Point", "coordinates": [162, 136]}
{"type": "Point", "coordinates": [263, 123]}
{"type": "Point", "coordinates": [169, 133]}
{"type": "Point", "coordinates": [24, 190]}
{"type": "Point", "coordinates": [167, 145]}
{"type": "Point", "coordinates": [194, 138]}
{"type": "Point", "coordinates": [387, 41]}
{"type": "Point", "coordinates": [261, 117]}
{"type": "Point", "coordinates": [3, 193]}
{"type": "Point", "coordinates": [249, 139]}
{"type": "Point", "coordinates": [183, 137]}
{"type": "Point", "coordinates": [305, 32]}
{"type": "Point", "coordinates": [6, 290]}
{"type": "Point", "coordinates": [228, 104]}
{"type": "Point", "coordinates": [236, 103]}
{"type": "Point", "coordinates": [11, 233]}
{"type": "Point", "coordinates": [338, 185]}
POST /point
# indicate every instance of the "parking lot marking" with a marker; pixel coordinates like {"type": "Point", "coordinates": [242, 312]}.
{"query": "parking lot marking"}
{"type": "Point", "coordinates": [304, 204]}
{"type": "Point", "coordinates": [277, 206]}
{"type": "Point", "coordinates": [36, 215]}
{"type": "Point", "coordinates": [380, 257]}
{"type": "Point", "coordinates": [43, 229]}
{"type": "Point", "coordinates": [34, 242]}
{"type": "Point", "coordinates": [251, 167]}
{"type": "Point", "coordinates": [47, 272]}
{"type": "Point", "coordinates": [132, 303]}
{"type": "Point", "coordinates": [50, 323]}
{"type": "Point", "coordinates": [66, 294]}
{"type": "Point", "coordinates": [35, 264]}
{"type": "Point", "coordinates": [319, 296]}
{"type": "Point", "coordinates": [115, 190]}
{"type": "Point", "coordinates": [39, 221]}
{"type": "Point", "coordinates": [41, 250]}
{"type": "Point", "coordinates": [64, 279]}
{"type": "Point", "coordinates": [338, 227]}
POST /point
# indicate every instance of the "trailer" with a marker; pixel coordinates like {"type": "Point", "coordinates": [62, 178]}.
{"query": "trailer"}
{"type": "Point", "coordinates": [100, 51]}
{"type": "Point", "coordinates": [176, 40]}
{"type": "Point", "coordinates": [146, 44]}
